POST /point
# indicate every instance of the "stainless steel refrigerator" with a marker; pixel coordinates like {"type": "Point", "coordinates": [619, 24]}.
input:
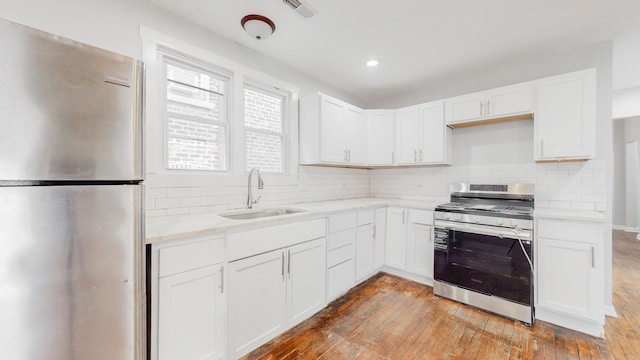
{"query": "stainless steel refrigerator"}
{"type": "Point", "coordinates": [71, 200]}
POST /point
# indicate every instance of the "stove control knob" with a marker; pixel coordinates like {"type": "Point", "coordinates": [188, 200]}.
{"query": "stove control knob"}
{"type": "Point", "coordinates": [475, 219]}
{"type": "Point", "coordinates": [457, 217]}
{"type": "Point", "coordinates": [499, 222]}
{"type": "Point", "coordinates": [512, 223]}
{"type": "Point", "coordinates": [446, 216]}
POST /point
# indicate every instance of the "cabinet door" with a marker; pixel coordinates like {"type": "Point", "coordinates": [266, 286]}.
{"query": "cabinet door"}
{"type": "Point", "coordinates": [434, 133]}
{"type": "Point", "coordinates": [354, 135]}
{"type": "Point", "coordinates": [565, 120]}
{"type": "Point", "coordinates": [568, 278]}
{"type": "Point", "coordinates": [464, 108]}
{"type": "Point", "coordinates": [380, 137]}
{"type": "Point", "coordinates": [408, 140]}
{"type": "Point", "coordinates": [332, 145]}
{"type": "Point", "coordinates": [257, 301]}
{"type": "Point", "coordinates": [191, 315]}
{"type": "Point", "coordinates": [420, 250]}
{"type": "Point", "coordinates": [396, 241]}
{"type": "Point", "coordinates": [306, 276]}
{"type": "Point", "coordinates": [509, 100]}
{"type": "Point", "coordinates": [364, 252]}
{"type": "Point", "coordinates": [379, 234]}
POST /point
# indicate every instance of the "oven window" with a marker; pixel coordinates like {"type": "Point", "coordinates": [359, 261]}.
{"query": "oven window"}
{"type": "Point", "coordinates": [488, 264]}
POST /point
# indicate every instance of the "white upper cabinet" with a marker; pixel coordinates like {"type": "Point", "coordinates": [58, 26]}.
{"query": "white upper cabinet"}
{"type": "Point", "coordinates": [331, 131]}
{"type": "Point", "coordinates": [408, 139]}
{"type": "Point", "coordinates": [422, 137]}
{"type": "Point", "coordinates": [501, 102]}
{"type": "Point", "coordinates": [380, 126]}
{"type": "Point", "coordinates": [566, 117]}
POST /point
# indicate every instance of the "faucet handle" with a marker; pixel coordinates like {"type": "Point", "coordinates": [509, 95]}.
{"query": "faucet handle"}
{"type": "Point", "coordinates": [258, 199]}
{"type": "Point", "coordinates": [260, 182]}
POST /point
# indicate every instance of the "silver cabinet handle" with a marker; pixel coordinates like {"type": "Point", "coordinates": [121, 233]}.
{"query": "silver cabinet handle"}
{"type": "Point", "coordinates": [593, 256]}
{"type": "Point", "coordinates": [403, 216]}
{"type": "Point", "coordinates": [393, 157]}
{"type": "Point", "coordinates": [420, 154]}
{"type": "Point", "coordinates": [282, 255]}
{"type": "Point", "coordinates": [349, 155]}
{"type": "Point", "coordinates": [541, 147]}
{"type": "Point", "coordinates": [345, 155]}
{"type": "Point", "coordinates": [488, 107]}
{"type": "Point", "coordinates": [415, 155]}
{"type": "Point", "coordinates": [289, 263]}
{"type": "Point", "coordinates": [481, 103]}
{"type": "Point", "coordinates": [221, 279]}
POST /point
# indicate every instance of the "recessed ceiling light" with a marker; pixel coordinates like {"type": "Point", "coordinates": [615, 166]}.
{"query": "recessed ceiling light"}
{"type": "Point", "coordinates": [372, 63]}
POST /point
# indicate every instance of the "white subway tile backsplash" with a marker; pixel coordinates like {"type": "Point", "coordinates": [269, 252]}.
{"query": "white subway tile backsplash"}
{"type": "Point", "coordinates": [570, 185]}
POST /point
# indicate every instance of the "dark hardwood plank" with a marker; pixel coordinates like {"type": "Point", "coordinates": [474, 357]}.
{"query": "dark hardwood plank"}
{"type": "Point", "coordinates": [389, 318]}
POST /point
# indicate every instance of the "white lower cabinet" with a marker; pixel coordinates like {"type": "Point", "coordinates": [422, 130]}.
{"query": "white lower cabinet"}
{"type": "Point", "coordinates": [188, 315]}
{"type": "Point", "coordinates": [570, 274]}
{"type": "Point", "coordinates": [409, 241]}
{"type": "Point", "coordinates": [365, 245]}
{"type": "Point", "coordinates": [272, 292]}
{"type": "Point", "coordinates": [395, 254]}
{"type": "Point", "coordinates": [191, 315]}
{"type": "Point", "coordinates": [420, 249]}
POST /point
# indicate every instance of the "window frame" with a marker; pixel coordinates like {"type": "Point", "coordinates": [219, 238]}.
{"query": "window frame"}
{"type": "Point", "coordinates": [205, 52]}
{"type": "Point", "coordinates": [284, 134]}
{"type": "Point", "coordinates": [186, 62]}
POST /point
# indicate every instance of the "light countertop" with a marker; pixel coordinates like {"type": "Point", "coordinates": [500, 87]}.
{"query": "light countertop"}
{"type": "Point", "coordinates": [174, 227]}
{"type": "Point", "coordinates": [570, 214]}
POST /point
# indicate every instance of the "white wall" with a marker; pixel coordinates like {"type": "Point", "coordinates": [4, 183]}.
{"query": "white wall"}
{"type": "Point", "coordinates": [624, 131]}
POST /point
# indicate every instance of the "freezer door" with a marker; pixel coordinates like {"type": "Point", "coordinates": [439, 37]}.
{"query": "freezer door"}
{"type": "Point", "coordinates": [71, 274]}
{"type": "Point", "coordinates": [68, 111]}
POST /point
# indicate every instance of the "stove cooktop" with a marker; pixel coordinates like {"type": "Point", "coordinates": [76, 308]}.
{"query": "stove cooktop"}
{"type": "Point", "coordinates": [489, 208]}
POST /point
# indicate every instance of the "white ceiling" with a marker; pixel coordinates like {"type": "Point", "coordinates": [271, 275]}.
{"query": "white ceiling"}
{"type": "Point", "coordinates": [415, 40]}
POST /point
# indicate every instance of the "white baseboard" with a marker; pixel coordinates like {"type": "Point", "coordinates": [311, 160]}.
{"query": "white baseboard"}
{"type": "Point", "coordinates": [591, 327]}
{"type": "Point", "coordinates": [625, 228]}
{"type": "Point", "coordinates": [610, 311]}
{"type": "Point", "coordinates": [401, 273]}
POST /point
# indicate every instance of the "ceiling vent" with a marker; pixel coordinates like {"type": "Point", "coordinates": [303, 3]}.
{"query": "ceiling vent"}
{"type": "Point", "coordinates": [303, 10]}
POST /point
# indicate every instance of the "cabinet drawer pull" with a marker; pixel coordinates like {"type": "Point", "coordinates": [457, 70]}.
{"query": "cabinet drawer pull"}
{"type": "Point", "coordinates": [593, 256]}
{"type": "Point", "coordinates": [481, 113]}
{"type": "Point", "coordinates": [289, 263]}
{"type": "Point", "coordinates": [420, 154]}
{"type": "Point", "coordinates": [282, 255]}
{"type": "Point", "coordinates": [221, 279]}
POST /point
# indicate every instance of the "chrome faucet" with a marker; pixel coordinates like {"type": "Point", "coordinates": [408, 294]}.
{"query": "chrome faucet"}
{"type": "Point", "coordinates": [250, 201]}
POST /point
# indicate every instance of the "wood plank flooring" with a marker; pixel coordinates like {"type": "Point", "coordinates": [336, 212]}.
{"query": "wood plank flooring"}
{"type": "Point", "coordinates": [388, 317]}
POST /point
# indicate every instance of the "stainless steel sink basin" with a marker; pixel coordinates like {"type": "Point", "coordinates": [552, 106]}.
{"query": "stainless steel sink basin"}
{"type": "Point", "coordinates": [254, 214]}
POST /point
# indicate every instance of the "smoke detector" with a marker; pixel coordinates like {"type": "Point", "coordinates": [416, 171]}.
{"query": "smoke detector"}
{"type": "Point", "coordinates": [304, 10]}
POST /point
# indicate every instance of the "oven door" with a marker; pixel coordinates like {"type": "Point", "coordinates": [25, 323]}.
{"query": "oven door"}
{"type": "Point", "coordinates": [485, 259]}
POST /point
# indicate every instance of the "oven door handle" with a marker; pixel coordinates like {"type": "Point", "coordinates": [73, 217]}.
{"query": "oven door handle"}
{"type": "Point", "coordinates": [516, 234]}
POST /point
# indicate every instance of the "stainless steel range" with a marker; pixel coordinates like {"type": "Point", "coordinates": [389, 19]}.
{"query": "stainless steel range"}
{"type": "Point", "coordinates": [483, 248]}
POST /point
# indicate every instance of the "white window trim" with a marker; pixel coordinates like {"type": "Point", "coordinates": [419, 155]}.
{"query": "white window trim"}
{"type": "Point", "coordinates": [256, 86]}
{"type": "Point", "coordinates": [192, 63]}
{"type": "Point", "coordinates": [157, 175]}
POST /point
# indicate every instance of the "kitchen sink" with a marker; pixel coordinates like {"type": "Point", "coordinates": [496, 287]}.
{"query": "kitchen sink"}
{"type": "Point", "coordinates": [254, 214]}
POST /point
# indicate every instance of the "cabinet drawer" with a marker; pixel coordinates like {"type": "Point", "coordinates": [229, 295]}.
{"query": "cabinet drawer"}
{"type": "Point", "coordinates": [365, 217]}
{"type": "Point", "coordinates": [421, 216]}
{"type": "Point", "coordinates": [190, 255]}
{"type": "Point", "coordinates": [341, 254]}
{"type": "Point", "coordinates": [341, 239]}
{"type": "Point", "coordinates": [342, 221]}
{"type": "Point", "coordinates": [249, 243]}
{"type": "Point", "coordinates": [340, 278]}
{"type": "Point", "coordinates": [571, 231]}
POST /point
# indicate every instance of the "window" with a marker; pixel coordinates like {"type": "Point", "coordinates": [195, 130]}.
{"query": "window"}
{"type": "Point", "coordinates": [197, 132]}
{"type": "Point", "coordinates": [264, 124]}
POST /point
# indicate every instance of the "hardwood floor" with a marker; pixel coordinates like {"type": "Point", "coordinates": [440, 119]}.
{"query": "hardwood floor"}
{"type": "Point", "coordinates": [392, 318]}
